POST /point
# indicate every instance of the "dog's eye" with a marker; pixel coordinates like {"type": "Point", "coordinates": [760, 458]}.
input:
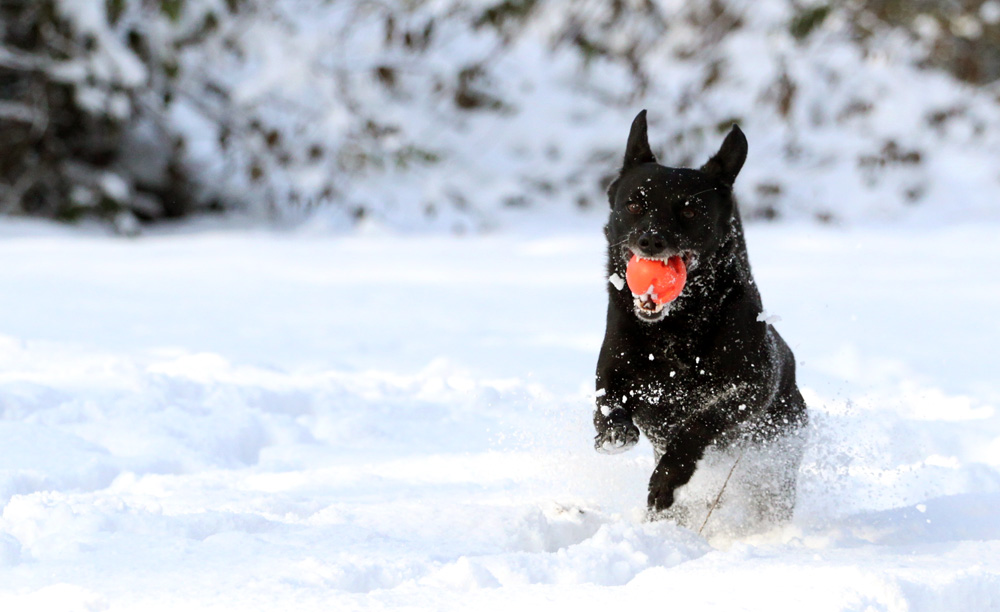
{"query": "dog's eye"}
{"type": "Point", "coordinates": [634, 207]}
{"type": "Point", "coordinates": [687, 213]}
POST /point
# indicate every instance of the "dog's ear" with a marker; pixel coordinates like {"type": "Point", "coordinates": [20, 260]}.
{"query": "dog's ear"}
{"type": "Point", "coordinates": [726, 164]}
{"type": "Point", "coordinates": [637, 150]}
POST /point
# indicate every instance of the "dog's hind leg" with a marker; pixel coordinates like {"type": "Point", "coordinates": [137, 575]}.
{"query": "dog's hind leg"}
{"type": "Point", "coordinates": [785, 450]}
{"type": "Point", "coordinates": [775, 475]}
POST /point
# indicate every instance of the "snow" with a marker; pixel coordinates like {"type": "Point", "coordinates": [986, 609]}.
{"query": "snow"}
{"type": "Point", "coordinates": [616, 281]}
{"type": "Point", "coordinates": [990, 12]}
{"type": "Point", "coordinates": [869, 132]}
{"type": "Point", "coordinates": [770, 319]}
{"type": "Point", "coordinates": [220, 419]}
{"type": "Point", "coordinates": [423, 116]}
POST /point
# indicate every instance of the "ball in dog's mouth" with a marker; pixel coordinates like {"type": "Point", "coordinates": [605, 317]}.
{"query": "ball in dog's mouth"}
{"type": "Point", "coordinates": [655, 282]}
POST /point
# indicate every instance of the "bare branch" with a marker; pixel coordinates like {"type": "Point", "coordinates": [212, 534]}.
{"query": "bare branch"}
{"type": "Point", "coordinates": [18, 60]}
{"type": "Point", "coordinates": [22, 113]}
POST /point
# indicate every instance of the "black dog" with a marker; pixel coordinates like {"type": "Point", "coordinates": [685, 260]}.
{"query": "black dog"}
{"type": "Point", "coordinates": [704, 370]}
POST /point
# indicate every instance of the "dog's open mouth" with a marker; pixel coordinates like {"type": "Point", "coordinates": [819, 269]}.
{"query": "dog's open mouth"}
{"type": "Point", "coordinates": [647, 308]}
{"type": "Point", "coordinates": [661, 280]}
{"type": "Point", "coordinates": [688, 257]}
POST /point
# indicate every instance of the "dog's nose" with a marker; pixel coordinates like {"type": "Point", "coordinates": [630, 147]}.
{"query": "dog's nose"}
{"type": "Point", "coordinates": [651, 242]}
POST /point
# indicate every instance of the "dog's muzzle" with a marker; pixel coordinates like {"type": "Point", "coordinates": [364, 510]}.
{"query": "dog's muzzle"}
{"type": "Point", "coordinates": [646, 308]}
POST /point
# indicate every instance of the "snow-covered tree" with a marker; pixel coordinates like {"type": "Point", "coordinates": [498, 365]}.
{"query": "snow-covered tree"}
{"type": "Point", "coordinates": [448, 113]}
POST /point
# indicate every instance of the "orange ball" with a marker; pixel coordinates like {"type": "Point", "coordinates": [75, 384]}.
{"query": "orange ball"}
{"type": "Point", "coordinates": [663, 280]}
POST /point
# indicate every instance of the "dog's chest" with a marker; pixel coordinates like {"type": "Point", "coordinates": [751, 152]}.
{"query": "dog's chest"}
{"type": "Point", "coordinates": [661, 382]}
{"type": "Point", "coordinates": [668, 385]}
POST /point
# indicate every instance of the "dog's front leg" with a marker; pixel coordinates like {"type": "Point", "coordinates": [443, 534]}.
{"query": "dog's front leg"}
{"type": "Point", "coordinates": [616, 433]}
{"type": "Point", "coordinates": [680, 457]}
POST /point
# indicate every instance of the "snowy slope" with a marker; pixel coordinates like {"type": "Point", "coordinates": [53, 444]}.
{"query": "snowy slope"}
{"type": "Point", "coordinates": [259, 421]}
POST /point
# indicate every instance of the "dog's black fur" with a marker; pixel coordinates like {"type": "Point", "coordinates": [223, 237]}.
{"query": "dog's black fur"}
{"type": "Point", "coordinates": [706, 370]}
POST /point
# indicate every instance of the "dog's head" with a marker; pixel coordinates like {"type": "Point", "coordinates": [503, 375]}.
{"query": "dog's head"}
{"type": "Point", "coordinates": [659, 212]}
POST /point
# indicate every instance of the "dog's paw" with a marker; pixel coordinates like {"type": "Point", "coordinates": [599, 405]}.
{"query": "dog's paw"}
{"type": "Point", "coordinates": [619, 434]}
{"type": "Point", "coordinates": [661, 497]}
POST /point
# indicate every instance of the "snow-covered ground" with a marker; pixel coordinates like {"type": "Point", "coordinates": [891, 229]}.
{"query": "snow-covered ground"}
{"type": "Point", "coordinates": [257, 421]}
